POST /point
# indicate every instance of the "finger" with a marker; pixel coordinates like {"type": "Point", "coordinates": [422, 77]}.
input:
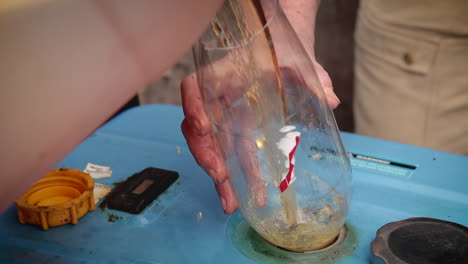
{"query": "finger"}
{"type": "Point", "coordinates": [294, 78]}
{"type": "Point", "coordinates": [327, 85]}
{"type": "Point", "coordinates": [247, 151]}
{"type": "Point", "coordinates": [227, 197]}
{"type": "Point", "coordinates": [193, 105]}
{"type": "Point", "coordinates": [332, 99]}
{"type": "Point", "coordinates": [323, 76]}
{"type": "Point", "coordinates": [250, 165]}
{"type": "Point", "coordinates": [206, 153]}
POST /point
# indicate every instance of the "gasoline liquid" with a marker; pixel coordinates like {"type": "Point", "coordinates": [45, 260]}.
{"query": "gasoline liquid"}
{"type": "Point", "coordinates": [316, 228]}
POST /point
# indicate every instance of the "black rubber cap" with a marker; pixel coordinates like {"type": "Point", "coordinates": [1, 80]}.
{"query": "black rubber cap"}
{"type": "Point", "coordinates": [421, 241]}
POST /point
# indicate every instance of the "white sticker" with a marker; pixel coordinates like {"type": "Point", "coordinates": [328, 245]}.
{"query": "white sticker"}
{"type": "Point", "coordinates": [97, 171]}
{"type": "Point", "coordinates": [100, 190]}
{"type": "Point", "coordinates": [288, 145]}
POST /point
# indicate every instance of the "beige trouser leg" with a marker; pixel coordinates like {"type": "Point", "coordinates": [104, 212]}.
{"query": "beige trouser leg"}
{"type": "Point", "coordinates": [411, 88]}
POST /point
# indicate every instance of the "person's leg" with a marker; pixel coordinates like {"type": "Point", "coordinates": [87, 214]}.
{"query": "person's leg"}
{"type": "Point", "coordinates": [392, 84]}
{"type": "Point", "coordinates": [409, 87]}
{"type": "Point", "coordinates": [447, 124]}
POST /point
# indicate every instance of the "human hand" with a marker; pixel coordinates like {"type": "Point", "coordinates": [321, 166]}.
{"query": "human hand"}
{"type": "Point", "coordinates": [203, 145]}
{"type": "Point", "coordinates": [301, 14]}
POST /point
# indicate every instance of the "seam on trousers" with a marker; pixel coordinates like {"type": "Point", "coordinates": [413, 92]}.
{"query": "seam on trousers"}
{"type": "Point", "coordinates": [434, 95]}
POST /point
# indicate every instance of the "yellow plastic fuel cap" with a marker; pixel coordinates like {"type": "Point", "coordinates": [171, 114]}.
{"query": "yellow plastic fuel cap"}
{"type": "Point", "coordinates": [62, 196]}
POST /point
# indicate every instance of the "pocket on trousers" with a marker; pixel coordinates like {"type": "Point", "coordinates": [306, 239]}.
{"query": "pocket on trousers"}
{"type": "Point", "coordinates": [401, 50]}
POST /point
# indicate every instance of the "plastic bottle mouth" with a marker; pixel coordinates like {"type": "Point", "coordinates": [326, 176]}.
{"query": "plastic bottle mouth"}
{"type": "Point", "coordinates": [339, 239]}
{"type": "Point", "coordinates": [252, 245]}
{"type": "Point", "coordinates": [336, 242]}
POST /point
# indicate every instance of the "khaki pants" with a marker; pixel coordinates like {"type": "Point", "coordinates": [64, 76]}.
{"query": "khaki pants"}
{"type": "Point", "coordinates": [411, 86]}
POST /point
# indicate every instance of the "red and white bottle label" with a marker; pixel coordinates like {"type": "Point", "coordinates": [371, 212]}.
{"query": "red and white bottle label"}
{"type": "Point", "coordinates": [288, 146]}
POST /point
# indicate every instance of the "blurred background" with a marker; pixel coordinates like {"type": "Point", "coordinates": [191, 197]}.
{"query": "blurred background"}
{"type": "Point", "coordinates": [334, 50]}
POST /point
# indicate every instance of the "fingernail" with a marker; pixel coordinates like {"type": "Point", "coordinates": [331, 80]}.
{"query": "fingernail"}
{"type": "Point", "coordinates": [334, 99]}
{"type": "Point", "coordinates": [333, 95]}
{"type": "Point", "coordinates": [223, 204]}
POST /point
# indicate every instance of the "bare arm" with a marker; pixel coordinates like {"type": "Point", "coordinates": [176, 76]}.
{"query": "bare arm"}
{"type": "Point", "coordinates": [301, 14]}
{"type": "Point", "coordinates": [66, 66]}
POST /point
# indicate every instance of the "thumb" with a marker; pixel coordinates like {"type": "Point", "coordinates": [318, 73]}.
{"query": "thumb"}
{"type": "Point", "coordinates": [327, 85]}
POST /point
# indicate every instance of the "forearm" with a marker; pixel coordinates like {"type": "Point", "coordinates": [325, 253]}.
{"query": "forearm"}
{"type": "Point", "coordinates": [66, 66]}
{"type": "Point", "coordinates": [301, 14]}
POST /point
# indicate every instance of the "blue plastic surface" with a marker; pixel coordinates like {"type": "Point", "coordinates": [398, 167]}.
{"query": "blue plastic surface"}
{"type": "Point", "coordinates": [186, 224]}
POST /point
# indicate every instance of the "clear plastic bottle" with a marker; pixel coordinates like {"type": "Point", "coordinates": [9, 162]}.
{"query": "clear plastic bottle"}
{"type": "Point", "coordinates": [279, 138]}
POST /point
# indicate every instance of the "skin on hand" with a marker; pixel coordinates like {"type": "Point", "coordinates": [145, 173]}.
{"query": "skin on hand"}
{"type": "Point", "coordinates": [204, 146]}
{"type": "Point", "coordinates": [202, 143]}
{"type": "Point", "coordinates": [66, 66]}
{"type": "Point", "coordinates": [197, 129]}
